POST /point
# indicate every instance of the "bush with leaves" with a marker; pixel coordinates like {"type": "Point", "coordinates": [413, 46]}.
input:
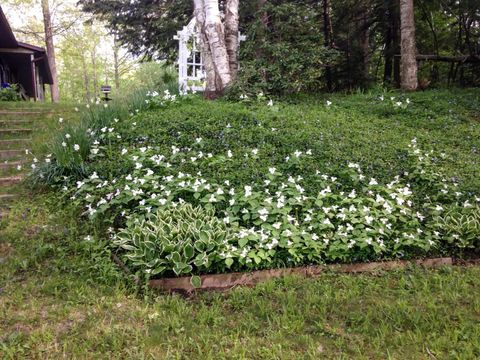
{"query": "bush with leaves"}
{"type": "Point", "coordinates": [461, 227]}
{"type": "Point", "coordinates": [10, 92]}
{"type": "Point", "coordinates": [287, 56]}
{"type": "Point", "coordinates": [180, 239]}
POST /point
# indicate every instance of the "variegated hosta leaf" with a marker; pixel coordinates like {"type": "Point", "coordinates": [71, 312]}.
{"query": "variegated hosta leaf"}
{"type": "Point", "coordinates": [180, 240]}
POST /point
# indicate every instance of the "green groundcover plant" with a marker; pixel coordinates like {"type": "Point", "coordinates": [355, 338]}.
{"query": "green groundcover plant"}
{"type": "Point", "coordinates": [9, 92]}
{"type": "Point", "coordinates": [181, 210]}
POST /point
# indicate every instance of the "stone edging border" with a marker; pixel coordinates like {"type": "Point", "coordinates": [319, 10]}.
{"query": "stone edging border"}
{"type": "Point", "coordinates": [224, 282]}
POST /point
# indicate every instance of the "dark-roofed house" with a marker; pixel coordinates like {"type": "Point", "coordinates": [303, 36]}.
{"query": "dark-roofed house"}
{"type": "Point", "coordinates": [22, 64]}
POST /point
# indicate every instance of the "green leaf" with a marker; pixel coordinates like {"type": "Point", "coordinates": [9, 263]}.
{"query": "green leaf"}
{"type": "Point", "coordinates": [229, 262]}
{"type": "Point", "coordinates": [196, 281]}
{"type": "Point", "coordinates": [188, 251]}
{"type": "Point", "coordinates": [243, 242]}
{"type": "Point", "coordinates": [204, 236]}
{"type": "Point", "coordinates": [175, 256]}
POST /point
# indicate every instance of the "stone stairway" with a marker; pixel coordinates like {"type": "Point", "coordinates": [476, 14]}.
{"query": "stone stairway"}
{"type": "Point", "coordinates": [16, 129]}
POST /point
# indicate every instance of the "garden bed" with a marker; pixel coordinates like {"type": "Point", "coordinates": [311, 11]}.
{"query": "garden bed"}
{"type": "Point", "coordinates": [223, 282]}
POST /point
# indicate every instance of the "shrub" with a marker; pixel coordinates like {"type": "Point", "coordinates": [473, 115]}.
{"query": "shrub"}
{"type": "Point", "coordinates": [292, 58]}
{"type": "Point", "coordinates": [461, 226]}
{"type": "Point", "coordinates": [9, 92]}
{"type": "Point", "coordinates": [182, 239]}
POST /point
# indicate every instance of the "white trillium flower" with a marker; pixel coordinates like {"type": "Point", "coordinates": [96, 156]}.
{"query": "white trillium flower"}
{"type": "Point", "coordinates": [373, 182]}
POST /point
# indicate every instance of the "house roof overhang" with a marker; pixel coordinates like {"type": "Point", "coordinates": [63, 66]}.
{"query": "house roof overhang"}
{"type": "Point", "coordinates": [7, 39]}
{"type": "Point", "coordinates": [9, 45]}
{"type": "Point", "coordinates": [40, 57]}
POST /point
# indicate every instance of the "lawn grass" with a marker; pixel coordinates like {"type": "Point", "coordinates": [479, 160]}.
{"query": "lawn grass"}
{"type": "Point", "coordinates": [61, 297]}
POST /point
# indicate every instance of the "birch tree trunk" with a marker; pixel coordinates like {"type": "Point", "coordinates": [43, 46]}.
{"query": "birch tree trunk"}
{"type": "Point", "coordinates": [408, 61]}
{"type": "Point", "coordinates": [210, 75]}
{"type": "Point", "coordinates": [219, 43]}
{"type": "Point", "coordinates": [231, 35]}
{"type": "Point", "coordinates": [47, 23]}
{"type": "Point", "coordinates": [216, 39]}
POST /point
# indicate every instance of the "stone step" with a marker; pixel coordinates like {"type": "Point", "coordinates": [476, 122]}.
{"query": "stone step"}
{"type": "Point", "coordinates": [11, 154]}
{"type": "Point", "coordinates": [22, 112]}
{"type": "Point", "coordinates": [8, 133]}
{"type": "Point", "coordinates": [10, 144]}
{"type": "Point", "coordinates": [9, 164]}
{"type": "Point", "coordinates": [6, 198]}
{"type": "Point", "coordinates": [11, 180]}
{"type": "Point", "coordinates": [13, 168]}
{"type": "Point", "coordinates": [14, 122]}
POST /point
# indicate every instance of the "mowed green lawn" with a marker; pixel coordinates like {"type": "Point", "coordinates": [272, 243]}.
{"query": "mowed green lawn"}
{"type": "Point", "coordinates": [62, 297]}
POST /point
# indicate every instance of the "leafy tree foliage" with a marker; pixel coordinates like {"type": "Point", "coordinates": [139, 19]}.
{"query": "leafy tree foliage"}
{"type": "Point", "coordinates": [146, 27]}
{"type": "Point", "coordinates": [286, 50]}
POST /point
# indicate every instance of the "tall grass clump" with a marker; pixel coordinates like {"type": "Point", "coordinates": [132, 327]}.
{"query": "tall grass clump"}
{"type": "Point", "coordinates": [70, 148]}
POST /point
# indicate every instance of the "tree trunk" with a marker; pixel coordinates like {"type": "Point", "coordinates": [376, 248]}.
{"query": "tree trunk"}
{"type": "Point", "coordinates": [388, 51]}
{"type": "Point", "coordinates": [231, 35]}
{"type": "Point", "coordinates": [408, 61]}
{"type": "Point", "coordinates": [365, 42]}
{"type": "Point", "coordinates": [210, 76]}
{"type": "Point", "coordinates": [392, 43]}
{"type": "Point", "coordinates": [216, 39]}
{"type": "Point", "coordinates": [261, 36]}
{"type": "Point", "coordinates": [86, 81]}
{"type": "Point", "coordinates": [328, 35]}
{"type": "Point", "coordinates": [116, 63]}
{"type": "Point", "coordinates": [94, 64]}
{"type": "Point", "coordinates": [47, 23]}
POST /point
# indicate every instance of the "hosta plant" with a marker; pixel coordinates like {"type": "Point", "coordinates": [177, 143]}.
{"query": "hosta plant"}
{"type": "Point", "coordinates": [461, 226]}
{"type": "Point", "coordinates": [182, 239]}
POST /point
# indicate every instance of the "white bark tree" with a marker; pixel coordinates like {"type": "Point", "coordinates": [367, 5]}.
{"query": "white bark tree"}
{"type": "Point", "coordinates": [219, 43]}
{"type": "Point", "coordinates": [408, 61]}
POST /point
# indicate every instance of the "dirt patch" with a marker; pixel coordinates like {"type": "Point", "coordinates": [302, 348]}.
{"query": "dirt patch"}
{"type": "Point", "coordinates": [223, 282]}
{"type": "Point", "coordinates": [6, 250]}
